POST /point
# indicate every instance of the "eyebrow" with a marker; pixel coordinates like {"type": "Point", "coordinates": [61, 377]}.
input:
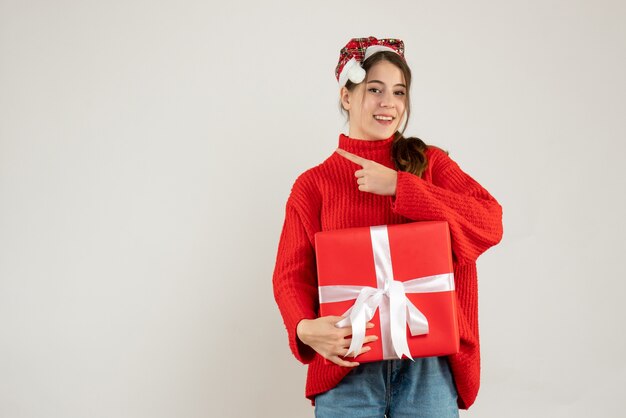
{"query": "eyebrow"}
{"type": "Point", "coordinates": [378, 81]}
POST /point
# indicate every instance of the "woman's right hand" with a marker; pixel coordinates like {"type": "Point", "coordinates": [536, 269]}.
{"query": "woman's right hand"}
{"type": "Point", "coordinates": [331, 342]}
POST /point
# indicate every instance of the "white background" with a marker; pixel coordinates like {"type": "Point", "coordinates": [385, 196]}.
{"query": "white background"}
{"type": "Point", "coordinates": [147, 149]}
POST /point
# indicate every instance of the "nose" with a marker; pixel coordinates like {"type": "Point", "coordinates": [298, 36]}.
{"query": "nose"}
{"type": "Point", "coordinates": [387, 99]}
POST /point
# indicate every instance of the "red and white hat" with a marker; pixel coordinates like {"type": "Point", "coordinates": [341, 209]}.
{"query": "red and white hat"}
{"type": "Point", "coordinates": [358, 50]}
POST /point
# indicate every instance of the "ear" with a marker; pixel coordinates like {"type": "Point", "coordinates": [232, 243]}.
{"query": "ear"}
{"type": "Point", "coordinates": [345, 97]}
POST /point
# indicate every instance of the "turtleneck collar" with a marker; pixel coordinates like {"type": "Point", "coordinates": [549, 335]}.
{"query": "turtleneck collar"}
{"type": "Point", "coordinates": [357, 146]}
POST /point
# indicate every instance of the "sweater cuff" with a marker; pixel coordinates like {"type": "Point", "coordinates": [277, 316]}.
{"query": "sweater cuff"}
{"type": "Point", "coordinates": [301, 351]}
{"type": "Point", "coordinates": [405, 200]}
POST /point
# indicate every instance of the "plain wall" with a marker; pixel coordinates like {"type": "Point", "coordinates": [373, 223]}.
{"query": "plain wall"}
{"type": "Point", "coordinates": [147, 149]}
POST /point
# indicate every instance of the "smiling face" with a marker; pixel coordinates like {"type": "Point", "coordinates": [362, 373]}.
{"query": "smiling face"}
{"type": "Point", "coordinates": [376, 106]}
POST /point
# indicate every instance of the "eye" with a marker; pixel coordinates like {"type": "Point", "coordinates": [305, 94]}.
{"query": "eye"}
{"type": "Point", "coordinates": [399, 93]}
{"type": "Point", "coordinates": [373, 90]}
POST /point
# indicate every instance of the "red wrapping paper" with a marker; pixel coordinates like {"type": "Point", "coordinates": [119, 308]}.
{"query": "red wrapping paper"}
{"type": "Point", "coordinates": [419, 249]}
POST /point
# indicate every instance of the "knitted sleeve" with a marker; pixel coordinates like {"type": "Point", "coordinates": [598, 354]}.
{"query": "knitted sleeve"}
{"type": "Point", "coordinates": [295, 274]}
{"type": "Point", "coordinates": [474, 216]}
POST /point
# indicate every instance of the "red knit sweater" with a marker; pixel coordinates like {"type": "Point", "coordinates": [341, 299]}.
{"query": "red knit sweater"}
{"type": "Point", "coordinates": [326, 197]}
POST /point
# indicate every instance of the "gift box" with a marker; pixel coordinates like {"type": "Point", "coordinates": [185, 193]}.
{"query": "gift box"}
{"type": "Point", "coordinates": [398, 277]}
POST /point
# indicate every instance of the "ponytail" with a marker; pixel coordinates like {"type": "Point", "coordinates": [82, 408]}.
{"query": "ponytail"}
{"type": "Point", "coordinates": [409, 154]}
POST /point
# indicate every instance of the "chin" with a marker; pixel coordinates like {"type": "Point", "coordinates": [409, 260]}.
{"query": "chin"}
{"type": "Point", "coordinates": [376, 133]}
{"type": "Point", "coordinates": [387, 134]}
{"type": "Point", "coordinates": [389, 131]}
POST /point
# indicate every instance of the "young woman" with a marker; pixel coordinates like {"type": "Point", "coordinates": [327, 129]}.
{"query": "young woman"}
{"type": "Point", "coordinates": [376, 177]}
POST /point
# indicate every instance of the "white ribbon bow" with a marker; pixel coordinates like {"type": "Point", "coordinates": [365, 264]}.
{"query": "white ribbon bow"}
{"type": "Point", "coordinates": [390, 296]}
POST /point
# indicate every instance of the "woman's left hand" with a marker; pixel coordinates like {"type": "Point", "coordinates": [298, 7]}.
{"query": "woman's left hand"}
{"type": "Point", "coordinates": [373, 177]}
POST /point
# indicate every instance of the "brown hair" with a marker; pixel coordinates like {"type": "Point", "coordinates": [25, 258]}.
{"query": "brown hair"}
{"type": "Point", "coordinates": [408, 154]}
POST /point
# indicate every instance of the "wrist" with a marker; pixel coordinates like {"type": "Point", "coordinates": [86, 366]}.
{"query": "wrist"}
{"type": "Point", "coordinates": [300, 329]}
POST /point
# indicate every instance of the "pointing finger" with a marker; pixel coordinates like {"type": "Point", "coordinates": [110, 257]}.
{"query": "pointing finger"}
{"type": "Point", "coordinates": [354, 158]}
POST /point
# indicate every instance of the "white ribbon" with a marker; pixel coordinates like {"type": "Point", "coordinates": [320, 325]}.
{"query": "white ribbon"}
{"type": "Point", "coordinates": [390, 297]}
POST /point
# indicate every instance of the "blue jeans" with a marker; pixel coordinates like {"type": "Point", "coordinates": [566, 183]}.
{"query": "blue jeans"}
{"type": "Point", "coordinates": [393, 389]}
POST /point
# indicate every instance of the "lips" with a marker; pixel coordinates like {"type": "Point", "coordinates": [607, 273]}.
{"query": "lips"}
{"type": "Point", "coordinates": [384, 119]}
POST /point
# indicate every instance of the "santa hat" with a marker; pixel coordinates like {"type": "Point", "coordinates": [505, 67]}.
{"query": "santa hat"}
{"type": "Point", "coordinates": [358, 50]}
